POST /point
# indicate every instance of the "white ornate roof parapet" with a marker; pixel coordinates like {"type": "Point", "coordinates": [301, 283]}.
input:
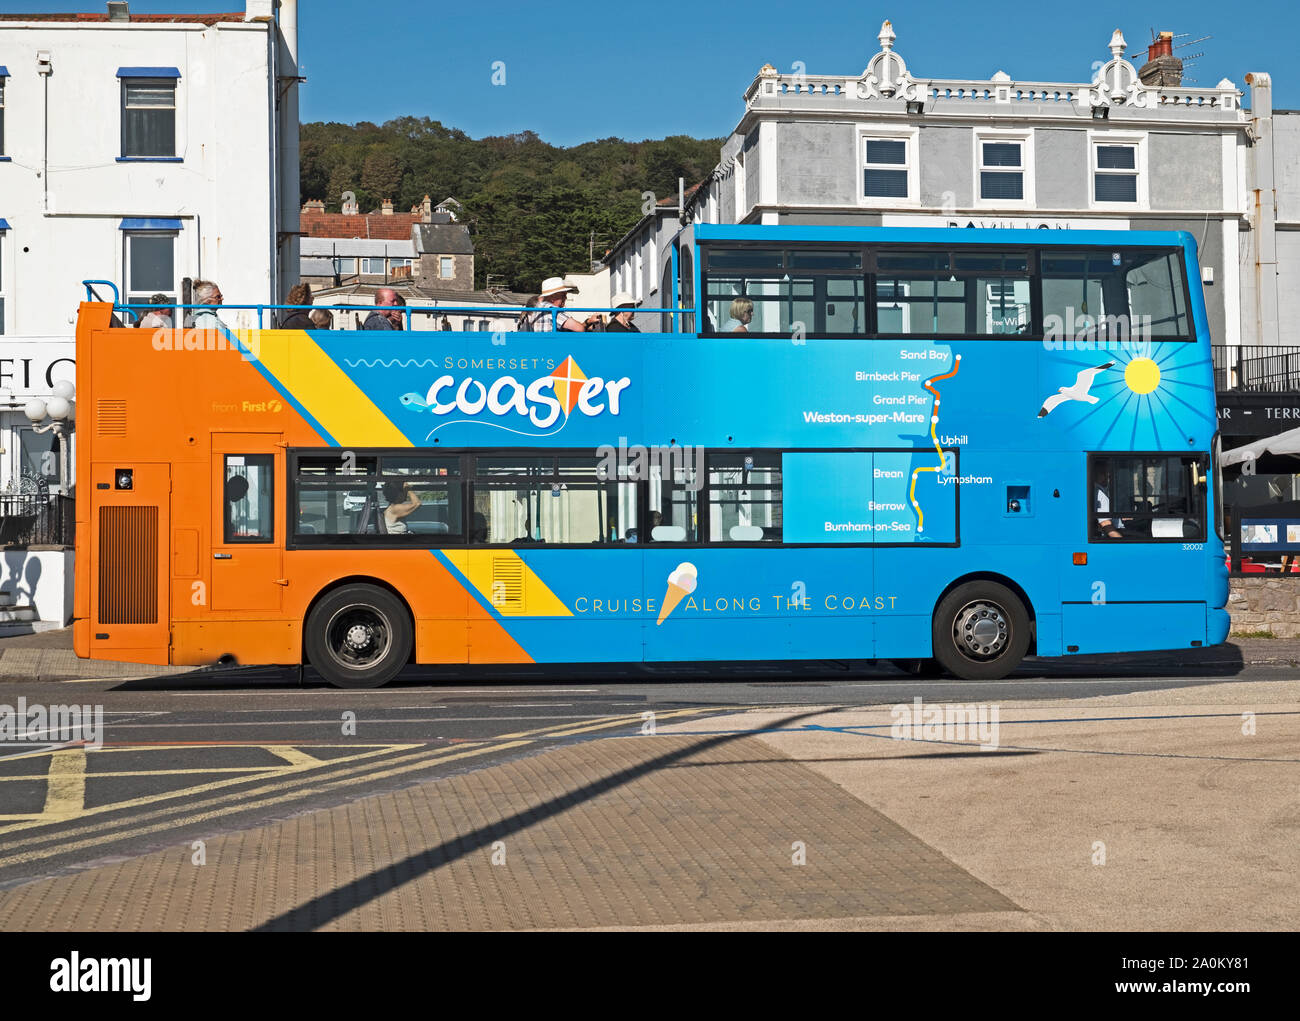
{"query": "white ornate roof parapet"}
{"type": "Point", "coordinates": [1117, 82]}
{"type": "Point", "coordinates": [886, 76]}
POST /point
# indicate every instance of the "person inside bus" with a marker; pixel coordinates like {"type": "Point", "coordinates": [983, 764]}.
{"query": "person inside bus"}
{"type": "Point", "coordinates": [387, 314]}
{"type": "Point", "coordinates": [298, 319]}
{"type": "Point", "coordinates": [402, 501]}
{"type": "Point", "coordinates": [742, 313]}
{"type": "Point", "coordinates": [159, 317]}
{"type": "Point", "coordinates": [621, 321]}
{"type": "Point", "coordinates": [1110, 527]}
{"type": "Point", "coordinates": [527, 320]}
{"type": "Point", "coordinates": [205, 293]}
{"type": "Point", "coordinates": [479, 531]}
{"type": "Point", "coordinates": [555, 292]}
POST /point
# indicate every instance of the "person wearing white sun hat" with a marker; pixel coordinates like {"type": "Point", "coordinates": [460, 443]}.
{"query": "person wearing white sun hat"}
{"type": "Point", "coordinates": [621, 321]}
{"type": "Point", "coordinates": [554, 293]}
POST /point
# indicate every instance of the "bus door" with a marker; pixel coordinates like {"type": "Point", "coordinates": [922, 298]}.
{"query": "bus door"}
{"type": "Point", "coordinates": [129, 597]}
{"type": "Point", "coordinates": [247, 552]}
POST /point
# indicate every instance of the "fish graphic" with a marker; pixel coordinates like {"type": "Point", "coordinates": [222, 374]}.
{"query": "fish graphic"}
{"type": "Point", "coordinates": [414, 401]}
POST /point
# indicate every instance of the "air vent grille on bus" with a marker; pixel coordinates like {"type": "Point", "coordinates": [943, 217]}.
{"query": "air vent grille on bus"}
{"type": "Point", "coordinates": [128, 565]}
{"type": "Point", "coordinates": [111, 418]}
{"type": "Point", "coordinates": [507, 583]}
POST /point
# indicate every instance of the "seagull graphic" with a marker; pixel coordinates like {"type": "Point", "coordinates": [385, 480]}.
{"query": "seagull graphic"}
{"type": "Point", "coordinates": [1077, 392]}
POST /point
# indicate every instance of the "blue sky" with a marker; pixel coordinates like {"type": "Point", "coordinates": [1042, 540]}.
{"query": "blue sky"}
{"type": "Point", "coordinates": [576, 71]}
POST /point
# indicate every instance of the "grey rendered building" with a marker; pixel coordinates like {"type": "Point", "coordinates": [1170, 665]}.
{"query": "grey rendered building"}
{"type": "Point", "coordinates": [1131, 149]}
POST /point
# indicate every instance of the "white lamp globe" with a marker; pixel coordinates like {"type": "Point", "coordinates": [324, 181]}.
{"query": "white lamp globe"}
{"type": "Point", "coordinates": [59, 408]}
{"type": "Point", "coordinates": [34, 409]}
{"type": "Point", "coordinates": [66, 389]}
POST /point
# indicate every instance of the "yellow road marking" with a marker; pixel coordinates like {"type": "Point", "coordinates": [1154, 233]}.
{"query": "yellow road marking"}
{"type": "Point", "coordinates": [293, 756]}
{"type": "Point", "coordinates": [65, 793]}
{"type": "Point", "coordinates": [278, 792]}
{"type": "Point", "coordinates": [147, 799]}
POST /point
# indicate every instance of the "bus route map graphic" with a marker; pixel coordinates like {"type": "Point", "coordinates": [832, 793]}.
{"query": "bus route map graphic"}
{"type": "Point", "coordinates": [934, 426]}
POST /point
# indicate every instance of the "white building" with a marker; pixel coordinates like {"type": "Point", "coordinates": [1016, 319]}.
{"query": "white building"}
{"type": "Point", "coordinates": [141, 150]}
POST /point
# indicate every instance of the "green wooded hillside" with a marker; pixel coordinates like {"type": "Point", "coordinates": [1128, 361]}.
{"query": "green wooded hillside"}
{"type": "Point", "coordinates": [532, 205]}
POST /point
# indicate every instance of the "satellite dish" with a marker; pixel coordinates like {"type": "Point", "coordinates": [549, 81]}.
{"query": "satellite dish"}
{"type": "Point", "coordinates": [349, 197]}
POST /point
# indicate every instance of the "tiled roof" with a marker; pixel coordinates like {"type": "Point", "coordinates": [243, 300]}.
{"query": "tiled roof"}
{"type": "Point", "coordinates": [391, 227]}
{"type": "Point", "coordinates": [153, 19]}
{"type": "Point", "coordinates": [445, 239]}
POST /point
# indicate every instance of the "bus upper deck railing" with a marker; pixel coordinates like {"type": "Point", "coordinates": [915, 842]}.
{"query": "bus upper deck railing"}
{"type": "Point", "coordinates": [137, 310]}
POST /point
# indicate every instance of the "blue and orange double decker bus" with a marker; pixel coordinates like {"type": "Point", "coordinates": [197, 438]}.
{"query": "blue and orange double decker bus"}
{"type": "Point", "coordinates": [847, 443]}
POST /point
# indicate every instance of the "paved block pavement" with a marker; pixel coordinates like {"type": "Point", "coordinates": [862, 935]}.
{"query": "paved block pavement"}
{"type": "Point", "coordinates": [1157, 809]}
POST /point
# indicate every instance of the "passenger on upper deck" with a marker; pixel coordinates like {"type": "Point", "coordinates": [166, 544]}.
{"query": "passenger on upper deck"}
{"type": "Point", "coordinates": [525, 322]}
{"type": "Point", "coordinates": [206, 293]}
{"type": "Point", "coordinates": [159, 317]}
{"type": "Point", "coordinates": [321, 319]}
{"type": "Point", "coordinates": [621, 322]}
{"type": "Point", "coordinates": [387, 314]}
{"type": "Point", "coordinates": [298, 319]}
{"type": "Point", "coordinates": [555, 292]}
{"type": "Point", "coordinates": [742, 312]}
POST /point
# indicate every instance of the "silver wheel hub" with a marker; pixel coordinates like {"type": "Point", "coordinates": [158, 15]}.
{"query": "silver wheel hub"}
{"type": "Point", "coordinates": [981, 630]}
{"type": "Point", "coordinates": [358, 636]}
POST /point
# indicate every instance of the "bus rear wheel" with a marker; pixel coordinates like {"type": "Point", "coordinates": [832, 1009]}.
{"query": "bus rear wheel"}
{"type": "Point", "coordinates": [981, 631]}
{"type": "Point", "coordinates": [358, 636]}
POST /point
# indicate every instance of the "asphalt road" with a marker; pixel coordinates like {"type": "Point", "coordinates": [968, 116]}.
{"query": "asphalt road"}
{"type": "Point", "coordinates": [188, 757]}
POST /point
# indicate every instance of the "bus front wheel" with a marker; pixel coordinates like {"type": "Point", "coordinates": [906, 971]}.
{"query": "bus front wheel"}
{"type": "Point", "coordinates": [359, 636]}
{"type": "Point", "coordinates": [981, 631]}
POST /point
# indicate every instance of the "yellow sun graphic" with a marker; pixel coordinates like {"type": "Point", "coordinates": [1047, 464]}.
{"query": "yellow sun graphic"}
{"type": "Point", "coordinates": [1142, 375]}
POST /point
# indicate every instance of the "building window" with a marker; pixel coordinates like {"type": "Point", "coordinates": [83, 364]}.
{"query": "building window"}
{"type": "Point", "coordinates": [379, 266]}
{"type": "Point", "coordinates": [1115, 173]}
{"type": "Point", "coordinates": [150, 264]}
{"type": "Point", "coordinates": [148, 118]}
{"type": "Point", "coordinates": [446, 267]}
{"type": "Point", "coordinates": [1001, 170]}
{"type": "Point", "coordinates": [885, 168]}
{"type": "Point", "coordinates": [2, 114]}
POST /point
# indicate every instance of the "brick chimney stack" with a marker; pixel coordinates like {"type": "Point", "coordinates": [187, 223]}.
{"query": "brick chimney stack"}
{"type": "Point", "coordinates": [387, 207]}
{"type": "Point", "coordinates": [1162, 69]}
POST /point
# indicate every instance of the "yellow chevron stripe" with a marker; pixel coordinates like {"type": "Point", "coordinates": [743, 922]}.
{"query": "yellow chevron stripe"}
{"type": "Point", "coordinates": [325, 390]}
{"type": "Point", "coordinates": [538, 601]}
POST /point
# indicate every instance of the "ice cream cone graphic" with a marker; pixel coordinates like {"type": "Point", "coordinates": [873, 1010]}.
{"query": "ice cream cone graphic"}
{"type": "Point", "coordinates": [681, 583]}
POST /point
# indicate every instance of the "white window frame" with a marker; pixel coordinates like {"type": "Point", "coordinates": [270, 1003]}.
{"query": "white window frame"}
{"type": "Point", "coordinates": [449, 262]}
{"type": "Point", "coordinates": [1096, 139]}
{"type": "Point", "coordinates": [127, 237]}
{"type": "Point", "coordinates": [3, 80]}
{"type": "Point", "coordinates": [1026, 140]}
{"type": "Point", "coordinates": [911, 164]}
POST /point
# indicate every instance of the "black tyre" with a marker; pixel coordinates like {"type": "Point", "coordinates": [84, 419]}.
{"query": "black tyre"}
{"type": "Point", "coordinates": [359, 636]}
{"type": "Point", "coordinates": [981, 631]}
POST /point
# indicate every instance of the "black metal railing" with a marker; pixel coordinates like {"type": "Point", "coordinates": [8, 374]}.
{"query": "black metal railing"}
{"type": "Point", "coordinates": [1262, 368]}
{"type": "Point", "coordinates": [37, 520]}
